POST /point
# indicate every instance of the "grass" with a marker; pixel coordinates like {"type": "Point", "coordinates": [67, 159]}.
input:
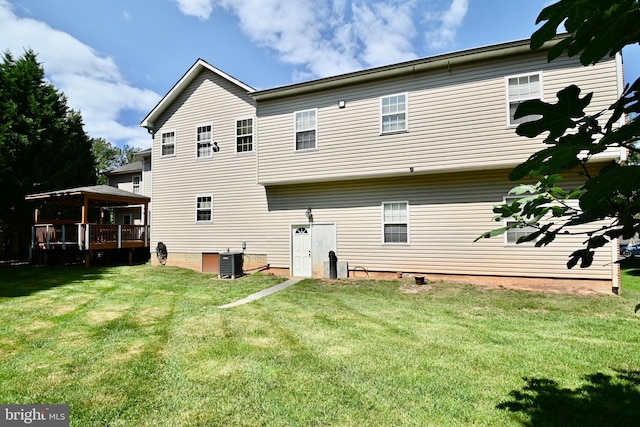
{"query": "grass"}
{"type": "Point", "coordinates": [147, 346]}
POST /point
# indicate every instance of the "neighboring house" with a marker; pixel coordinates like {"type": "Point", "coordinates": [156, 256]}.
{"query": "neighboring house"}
{"type": "Point", "coordinates": [395, 169]}
{"type": "Point", "coordinates": [134, 177]}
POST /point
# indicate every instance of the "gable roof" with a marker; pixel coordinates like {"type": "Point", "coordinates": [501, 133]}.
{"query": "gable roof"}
{"type": "Point", "coordinates": [184, 81]}
{"type": "Point", "coordinates": [129, 167]}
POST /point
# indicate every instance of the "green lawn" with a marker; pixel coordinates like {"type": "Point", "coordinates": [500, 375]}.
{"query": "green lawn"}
{"type": "Point", "coordinates": [147, 346]}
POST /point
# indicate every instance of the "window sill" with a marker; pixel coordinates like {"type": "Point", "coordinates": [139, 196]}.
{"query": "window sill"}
{"type": "Point", "coordinates": [244, 153]}
{"type": "Point", "coordinates": [397, 132]}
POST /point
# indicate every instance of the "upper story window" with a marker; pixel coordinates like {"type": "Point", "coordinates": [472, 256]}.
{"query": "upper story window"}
{"type": "Point", "coordinates": [135, 181]}
{"type": "Point", "coordinates": [513, 234]}
{"type": "Point", "coordinates": [204, 147]}
{"type": "Point", "coordinates": [522, 88]}
{"type": "Point", "coordinates": [168, 143]}
{"type": "Point", "coordinates": [305, 125]}
{"type": "Point", "coordinates": [395, 220]}
{"type": "Point", "coordinates": [244, 135]}
{"type": "Point", "coordinates": [204, 208]}
{"type": "Point", "coordinates": [393, 113]}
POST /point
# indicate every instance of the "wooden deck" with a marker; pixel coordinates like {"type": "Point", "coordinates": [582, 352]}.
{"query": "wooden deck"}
{"type": "Point", "coordinates": [88, 237]}
{"type": "Point", "coordinates": [81, 237]}
{"type": "Point", "coordinates": [80, 241]}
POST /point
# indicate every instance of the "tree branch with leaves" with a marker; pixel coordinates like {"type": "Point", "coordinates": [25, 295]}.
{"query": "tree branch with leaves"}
{"type": "Point", "coordinates": [608, 195]}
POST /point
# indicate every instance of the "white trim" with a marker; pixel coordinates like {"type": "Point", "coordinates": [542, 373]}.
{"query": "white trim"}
{"type": "Point", "coordinates": [295, 129]}
{"type": "Point", "coordinates": [253, 133]}
{"type": "Point", "coordinates": [383, 223]}
{"type": "Point", "coordinates": [185, 80]}
{"type": "Point", "coordinates": [196, 209]}
{"type": "Point", "coordinates": [198, 142]}
{"type": "Point", "coordinates": [624, 154]}
{"type": "Point", "coordinates": [175, 143]}
{"type": "Point", "coordinates": [133, 183]}
{"type": "Point", "coordinates": [506, 92]}
{"type": "Point", "coordinates": [406, 113]}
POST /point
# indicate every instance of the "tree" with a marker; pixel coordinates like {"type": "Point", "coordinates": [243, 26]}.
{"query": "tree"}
{"type": "Point", "coordinates": [109, 157]}
{"type": "Point", "coordinates": [596, 29]}
{"type": "Point", "coordinates": [106, 156]}
{"type": "Point", "coordinates": [43, 146]}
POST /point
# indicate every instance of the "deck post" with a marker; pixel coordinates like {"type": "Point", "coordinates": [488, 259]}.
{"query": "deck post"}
{"type": "Point", "coordinates": [80, 246]}
{"type": "Point", "coordinates": [64, 237]}
{"type": "Point", "coordinates": [147, 226]}
{"type": "Point", "coordinates": [33, 241]}
{"type": "Point", "coordinates": [119, 236]}
{"type": "Point", "coordinates": [47, 238]}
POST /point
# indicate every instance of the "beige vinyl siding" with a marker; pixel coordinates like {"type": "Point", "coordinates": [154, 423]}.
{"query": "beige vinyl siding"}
{"type": "Point", "coordinates": [228, 177]}
{"type": "Point", "coordinates": [125, 181]}
{"type": "Point", "coordinates": [145, 184]}
{"type": "Point", "coordinates": [447, 212]}
{"type": "Point", "coordinates": [457, 121]}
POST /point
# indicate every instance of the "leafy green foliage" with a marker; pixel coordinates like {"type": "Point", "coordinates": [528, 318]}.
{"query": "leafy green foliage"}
{"type": "Point", "coordinates": [610, 194]}
{"type": "Point", "coordinates": [43, 145]}
{"type": "Point", "coordinates": [109, 156]}
{"type": "Point", "coordinates": [598, 28]}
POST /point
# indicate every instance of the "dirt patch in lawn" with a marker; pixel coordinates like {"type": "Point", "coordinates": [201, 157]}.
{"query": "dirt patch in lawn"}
{"type": "Point", "coordinates": [551, 288]}
{"type": "Point", "coordinates": [412, 288]}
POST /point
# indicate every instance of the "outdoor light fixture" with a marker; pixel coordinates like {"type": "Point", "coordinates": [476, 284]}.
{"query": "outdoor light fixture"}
{"type": "Point", "coordinates": [342, 104]}
{"type": "Point", "coordinates": [308, 213]}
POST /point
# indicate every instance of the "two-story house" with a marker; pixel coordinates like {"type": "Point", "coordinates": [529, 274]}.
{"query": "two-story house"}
{"type": "Point", "coordinates": [395, 169]}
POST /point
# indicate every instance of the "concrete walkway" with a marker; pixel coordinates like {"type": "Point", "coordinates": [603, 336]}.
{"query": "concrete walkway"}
{"type": "Point", "coordinates": [264, 292]}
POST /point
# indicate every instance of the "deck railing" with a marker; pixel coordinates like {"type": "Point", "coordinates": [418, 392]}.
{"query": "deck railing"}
{"type": "Point", "coordinates": [89, 236]}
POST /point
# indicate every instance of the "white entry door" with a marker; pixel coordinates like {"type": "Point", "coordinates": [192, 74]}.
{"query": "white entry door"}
{"type": "Point", "coordinates": [301, 242]}
{"type": "Point", "coordinates": [310, 246]}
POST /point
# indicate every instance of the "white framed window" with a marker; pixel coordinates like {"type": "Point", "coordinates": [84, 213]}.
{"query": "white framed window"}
{"type": "Point", "coordinates": [204, 208]}
{"type": "Point", "coordinates": [168, 143]}
{"type": "Point", "coordinates": [204, 141]}
{"type": "Point", "coordinates": [513, 234]}
{"type": "Point", "coordinates": [395, 222]}
{"type": "Point", "coordinates": [393, 113]}
{"type": "Point", "coordinates": [522, 88]}
{"type": "Point", "coordinates": [135, 182]}
{"type": "Point", "coordinates": [306, 129]}
{"type": "Point", "coordinates": [244, 135]}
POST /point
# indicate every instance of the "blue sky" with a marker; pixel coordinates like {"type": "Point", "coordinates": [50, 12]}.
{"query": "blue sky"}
{"type": "Point", "coordinates": [115, 59]}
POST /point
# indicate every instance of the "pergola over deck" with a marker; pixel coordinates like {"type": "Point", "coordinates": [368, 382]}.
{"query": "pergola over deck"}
{"type": "Point", "coordinates": [81, 235]}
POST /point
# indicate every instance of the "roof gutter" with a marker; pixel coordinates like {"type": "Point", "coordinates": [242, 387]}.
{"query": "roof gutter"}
{"type": "Point", "coordinates": [445, 61]}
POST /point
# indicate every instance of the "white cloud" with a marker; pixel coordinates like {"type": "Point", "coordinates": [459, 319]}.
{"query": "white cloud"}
{"type": "Point", "coordinates": [199, 8]}
{"type": "Point", "coordinates": [385, 32]}
{"type": "Point", "coordinates": [328, 37]}
{"type": "Point", "coordinates": [448, 22]}
{"type": "Point", "coordinates": [92, 82]}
